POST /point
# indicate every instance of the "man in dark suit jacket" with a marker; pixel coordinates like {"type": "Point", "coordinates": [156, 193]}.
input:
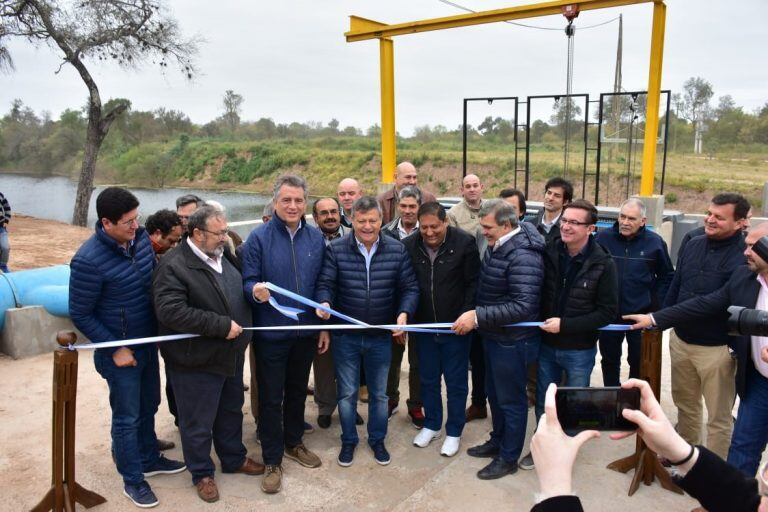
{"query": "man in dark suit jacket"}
{"type": "Point", "coordinates": [747, 287]}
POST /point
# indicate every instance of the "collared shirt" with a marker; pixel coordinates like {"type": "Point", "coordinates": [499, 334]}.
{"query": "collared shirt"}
{"type": "Point", "coordinates": [329, 237]}
{"type": "Point", "coordinates": [401, 230]}
{"type": "Point", "coordinates": [368, 255]}
{"type": "Point", "coordinates": [292, 232]}
{"type": "Point", "coordinates": [501, 241]}
{"type": "Point", "coordinates": [214, 263]}
{"type": "Point", "coordinates": [548, 225]}
{"type": "Point", "coordinates": [759, 342]}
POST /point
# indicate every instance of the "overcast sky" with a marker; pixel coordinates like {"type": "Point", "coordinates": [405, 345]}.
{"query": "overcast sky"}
{"type": "Point", "coordinates": [290, 61]}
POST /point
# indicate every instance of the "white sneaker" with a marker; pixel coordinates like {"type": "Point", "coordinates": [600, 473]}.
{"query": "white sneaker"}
{"type": "Point", "coordinates": [450, 446]}
{"type": "Point", "coordinates": [424, 437]}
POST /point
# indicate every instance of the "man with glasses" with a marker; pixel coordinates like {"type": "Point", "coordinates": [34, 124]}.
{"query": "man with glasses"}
{"type": "Point", "coordinates": [186, 206]}
{"type": "Point", "coordinates": [287, 252]}
{"type": "Point", "coordinates": [109, 299]}
{"type": "Point", "coordinates": [580, 295]}
{"type": "Point", "coordinates": [197, 289]}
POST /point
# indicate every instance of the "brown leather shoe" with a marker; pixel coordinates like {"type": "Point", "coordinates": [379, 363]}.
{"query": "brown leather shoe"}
{"type": "Point", "coordinates": [207, 490]}
{"type": "Point", "coordinates": [250, 467]}
{"type": "Point", "coordinates": [475, 412]}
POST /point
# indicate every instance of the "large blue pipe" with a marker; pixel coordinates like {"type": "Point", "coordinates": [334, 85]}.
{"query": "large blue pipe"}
{"type": "Point", "coordinates": [46, 286]}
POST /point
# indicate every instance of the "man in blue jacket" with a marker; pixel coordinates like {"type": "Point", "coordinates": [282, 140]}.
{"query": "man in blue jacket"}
{"type": "Point", "coordinates": [644, 273]}
{"type": "Point", "coordinates": [109, 299]}
{"type": "Point", "coordinates": [287, 252]}
{"type": "Point", "coordinates": [509, 291]}
{"type": "Point", "coordinates": [369, 277]}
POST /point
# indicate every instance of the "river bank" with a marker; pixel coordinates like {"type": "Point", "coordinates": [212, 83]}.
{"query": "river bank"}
{"type": "Point", "coordinates": [41, 243]}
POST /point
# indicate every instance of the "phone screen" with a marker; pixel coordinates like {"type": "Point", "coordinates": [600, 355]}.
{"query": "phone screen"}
{"type": "Point", "coordinates": [595, 408]}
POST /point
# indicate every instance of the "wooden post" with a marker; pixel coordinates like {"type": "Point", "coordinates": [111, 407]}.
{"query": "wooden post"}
{"type": "Point", "coordinates": [644, 461]}
{"type": "Point", "coordinates": [65, 491]}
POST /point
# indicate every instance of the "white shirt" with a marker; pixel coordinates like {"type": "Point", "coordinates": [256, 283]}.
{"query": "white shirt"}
{"type": "Point", "coordinates": [548, 225]}
{"type": "Point", "coordinates": [214, 263]}
{"type": "Point", "coordinates": [401, 230]}
{"type": "Point", "coordinates": [758, 342]}
{"type": "Point", "coordinates": [292, 232]}
{"type": "Point", "coordinates": [501, 241]}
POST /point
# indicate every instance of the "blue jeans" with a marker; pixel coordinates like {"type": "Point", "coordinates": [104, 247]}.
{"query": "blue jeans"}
{"type": "Point", "coordinates": [577, 365]}
{"type": "Point", "coordinates": [447, 357]}
{"type": "Point", "coordinates": [750, 434]}
{"type": "Point", "coordinates": [506, 376]}
{"type": "Point", "coordinates": [374, 353]}
{"type": "Point", "coordinates": [134, 395]}
{"type": "Point", "coordinates": [5, 249]}
{"type": "Point", "coordinates": [610, 355]}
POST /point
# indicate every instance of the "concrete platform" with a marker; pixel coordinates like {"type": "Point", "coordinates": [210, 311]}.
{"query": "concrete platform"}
{"type": "Point", "coordinates": [417, 479]}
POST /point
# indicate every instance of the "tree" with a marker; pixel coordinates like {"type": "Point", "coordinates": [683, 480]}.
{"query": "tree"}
{"type": "Point", "coordinates": [695, 106]}
{"type": "Point", "coordinates": [232, 106]}
{"type": "Point", "coordinates": [127, 32]}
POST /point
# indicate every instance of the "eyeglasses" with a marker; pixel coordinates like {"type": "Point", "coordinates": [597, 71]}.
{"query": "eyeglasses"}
{"type": "Point", "coordinates": [128, 223]}
{"type": "Point", "coordinates": [564, 222]}
{"type": "Point", "coordinates": [220, 234]}
{"type": "Point", "coordinates": [325, 213]}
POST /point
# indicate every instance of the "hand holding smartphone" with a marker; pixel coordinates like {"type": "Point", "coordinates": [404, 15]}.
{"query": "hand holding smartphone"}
{"type": "Point", "coordinates": [580, 409]}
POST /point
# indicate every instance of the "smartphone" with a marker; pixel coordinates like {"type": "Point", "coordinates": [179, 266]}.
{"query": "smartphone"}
{"type": "Point", "coordinates": [595, 408]}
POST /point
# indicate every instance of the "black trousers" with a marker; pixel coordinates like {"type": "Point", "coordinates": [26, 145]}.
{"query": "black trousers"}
{"type": "Point", "coordinates": [477, 360]}
{"type": "Point", "coordinates": [210, 408]}
{"type": "Point", "coordinates": [283, 374]}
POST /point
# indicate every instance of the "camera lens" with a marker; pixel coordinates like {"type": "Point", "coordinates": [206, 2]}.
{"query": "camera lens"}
{"type": "Point", "coordinates": [753, 322]}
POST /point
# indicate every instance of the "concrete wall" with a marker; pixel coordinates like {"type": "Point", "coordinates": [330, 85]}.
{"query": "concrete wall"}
{"type": "Point", "coordinates": [31, 330]}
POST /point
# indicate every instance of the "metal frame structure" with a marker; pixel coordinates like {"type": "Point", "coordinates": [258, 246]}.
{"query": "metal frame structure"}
{"type": "Point", "coordinates": [362, 29]}
{"type": "Point", "coordinates": [464, 129]}
{"type": "Point", "coordinates": [652, 137]}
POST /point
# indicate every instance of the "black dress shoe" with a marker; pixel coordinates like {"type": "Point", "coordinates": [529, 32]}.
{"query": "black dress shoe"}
{"type": "Point", "coordinates": [359, 419]}
{"type": "Point", "coordinates": [324, 420]}
{"type": "Point", "coordinates": [487, 449]}
{"type": "Point", "coordinates": [497, 469]}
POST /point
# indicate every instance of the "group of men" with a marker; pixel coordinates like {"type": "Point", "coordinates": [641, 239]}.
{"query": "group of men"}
{"type": "Point", "coordinates": [392, 260]}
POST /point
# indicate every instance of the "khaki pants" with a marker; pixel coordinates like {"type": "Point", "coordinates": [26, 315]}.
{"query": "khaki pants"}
{"type": "Point", "coordinates": [325, 383]}
{"type": "Point", "coordinates": [709, 372]}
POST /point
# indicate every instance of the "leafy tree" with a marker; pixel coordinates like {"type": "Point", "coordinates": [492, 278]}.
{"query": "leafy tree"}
{"type": "Point", "coordinates": [697, 93]}
{"type": "Point", "coordinates": [83, 32]}
{"type": "Point", "coordinates": [232, 106]}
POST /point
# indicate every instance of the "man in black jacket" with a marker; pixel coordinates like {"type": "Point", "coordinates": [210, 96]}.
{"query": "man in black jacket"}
{"type": "Point", "coordinates": [558, 192]}
{"type": "Point", "coordinates": [580, 295]}
{"type": "Point", "coordinates": [508, 292]}
{"type": "Point", "coordinates": [197, 289]}
{"type": "Point", "coordinates": [701, 363]}
{"type": "Point", "coordinates": [747, 287]}
{"type": "Point", "coordinates": [447, 266]}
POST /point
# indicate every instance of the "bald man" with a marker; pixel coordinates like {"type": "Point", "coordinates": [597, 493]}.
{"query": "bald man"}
{"type": "Point", "coordinates": [464, 213]}
{"type": "Point", "coordinates": [405, 174]}
{"type": "Point", "coordinates": [348, 191]}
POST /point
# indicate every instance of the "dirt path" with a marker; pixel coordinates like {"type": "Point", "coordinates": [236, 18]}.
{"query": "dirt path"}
{"type": "Point", "coordinates": [40, 243]}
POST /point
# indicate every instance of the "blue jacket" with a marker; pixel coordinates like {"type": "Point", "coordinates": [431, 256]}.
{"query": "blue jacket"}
{"type": "Point", "coordinates": [110, 289]}
{"type": "Point", "coordinates": [509, 290]}
{"type": "Point", "coordinates": [704, 266]}
{"type": "Point", "coordinates": [270, 255]}
{"type": "Point", "coordinates": [378, 298]}
{"type": "Point", "coordinates": [643, 266]}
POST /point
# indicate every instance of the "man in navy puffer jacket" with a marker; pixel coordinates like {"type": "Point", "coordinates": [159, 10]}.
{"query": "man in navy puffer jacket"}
{"type": "Point", "coordinates": [509, 291]}
{"type": "Point", "coordinates": [644, 274]}
{"type": "Point", "coordinates": [369, 277]}
{"type": "Point", "coordinates": [109, 299]}
{"type": "Point", "coordinates": [287, 252]}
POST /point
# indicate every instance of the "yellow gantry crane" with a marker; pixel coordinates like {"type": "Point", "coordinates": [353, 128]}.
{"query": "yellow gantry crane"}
{"type": "Point", "coordinates": [362, 29]}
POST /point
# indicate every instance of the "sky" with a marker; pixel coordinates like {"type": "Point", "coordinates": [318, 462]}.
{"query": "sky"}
{"type": "Point", "coordinates": [290, 61]}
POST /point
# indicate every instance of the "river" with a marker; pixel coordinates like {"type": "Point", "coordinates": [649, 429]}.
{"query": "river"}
{"type": "Point", "coordinates": [54, 198]}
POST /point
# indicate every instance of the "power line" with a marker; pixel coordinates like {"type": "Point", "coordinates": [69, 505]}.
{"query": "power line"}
{"type": "Point", "coordinates": [467, 9]}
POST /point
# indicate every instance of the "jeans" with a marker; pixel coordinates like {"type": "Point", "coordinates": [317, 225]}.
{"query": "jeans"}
{"type": "Point", "coordinates": [477, 359]}
{"type": "Point", "coordinates": [374, 353]}
{"type": "Point", "coordinates": [393, 378]}
{"type": "Point", "coordinates": [134, 396]}
{"type": "Point", "coordinates": [446, 357]}
{"type": "Point", "coordinates": [750, 434]}
{"type": "Point", "coordinates": [210, 409]}
{"type": "Point", "coordinates": [610, 355]}
{"type": "Point", "coordinates": [5, 249]}
{"type": "Point", "coordinates": [283, 373]}
{"type": "Point", "coordinates": [577, 365]}
{"type": "Point", "coordinates": [506, 376]}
